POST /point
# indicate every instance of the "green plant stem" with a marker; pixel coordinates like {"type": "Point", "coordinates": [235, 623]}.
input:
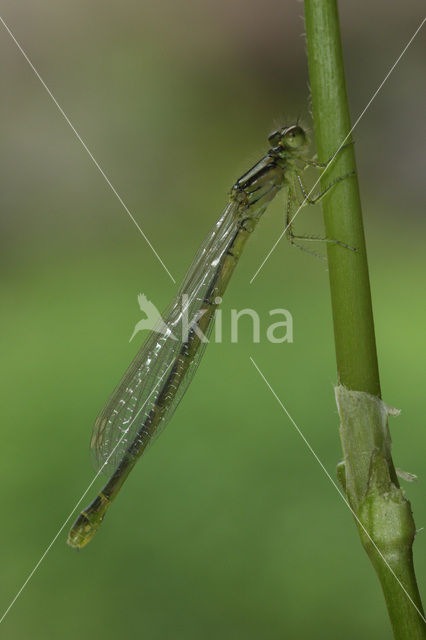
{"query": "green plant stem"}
{"type": "Point", "coordinates": [370, 479]}
{"type": "Point", "coordinates": [349, 282]}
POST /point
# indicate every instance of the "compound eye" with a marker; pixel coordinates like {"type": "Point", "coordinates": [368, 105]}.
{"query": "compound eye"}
{"type": "Point", "coordinates": [295, 137]}
{"type": "Point", "coordinates": [274, 138]}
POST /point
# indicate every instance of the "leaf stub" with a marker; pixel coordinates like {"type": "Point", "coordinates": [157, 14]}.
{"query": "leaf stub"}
{"type": "Point", "coordinates": [364, 434]}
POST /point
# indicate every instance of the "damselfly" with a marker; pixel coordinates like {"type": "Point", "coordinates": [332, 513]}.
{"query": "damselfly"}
{"type": "Point", "coordinates": [155, 382]}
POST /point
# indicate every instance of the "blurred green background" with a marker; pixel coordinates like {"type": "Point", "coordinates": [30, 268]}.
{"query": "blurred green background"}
{"type": "Point", "coordinates": [228, 528]}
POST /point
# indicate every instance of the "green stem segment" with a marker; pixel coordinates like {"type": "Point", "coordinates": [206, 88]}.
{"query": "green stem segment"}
{"type": "Point", "coordinates": [349, 282]}
{"type": "Point", "coordinates": [368, 474]}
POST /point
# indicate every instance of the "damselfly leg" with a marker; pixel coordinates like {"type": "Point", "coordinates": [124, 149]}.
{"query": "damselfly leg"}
{"type": "Point", "coordinates": [293, 198]}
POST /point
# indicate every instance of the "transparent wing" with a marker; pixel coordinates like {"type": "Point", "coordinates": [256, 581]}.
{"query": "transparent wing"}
{"type": "Point", "coordinates": [137, 393]}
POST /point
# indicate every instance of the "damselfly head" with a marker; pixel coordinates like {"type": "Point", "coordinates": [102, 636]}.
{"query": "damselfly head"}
{"type": "Point", "coordinates": [293, 137]}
